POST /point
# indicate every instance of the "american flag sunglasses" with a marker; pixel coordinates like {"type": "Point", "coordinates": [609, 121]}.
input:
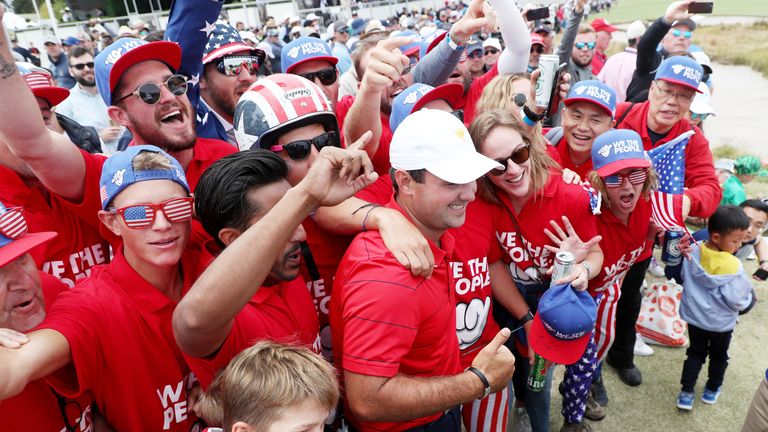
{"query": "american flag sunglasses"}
{"type": "Point", "coordinates": [143, 215]}
{"type": "Point", "coordinates": [635, 177]}
{"type": "Point", "coordinates": [12, 223]}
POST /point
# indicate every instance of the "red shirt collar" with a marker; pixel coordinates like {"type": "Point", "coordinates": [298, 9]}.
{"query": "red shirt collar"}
{"type": "Point", "coordinates": [447, 242]}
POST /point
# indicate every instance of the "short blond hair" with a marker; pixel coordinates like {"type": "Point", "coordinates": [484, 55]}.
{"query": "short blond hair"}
{"type": "Point", "coordinates": [265, 380]}
{"type": "Point", "coordinates": [541, 162]}
{"type": "Point", "coordinates": [151, 161]}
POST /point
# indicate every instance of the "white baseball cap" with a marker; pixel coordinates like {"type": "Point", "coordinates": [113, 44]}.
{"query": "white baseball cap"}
{"type": "Point", "coordinates": [439, 142]}
{"type": "Point", "coordinates": [635, 30]}
{"type": "Point", "coordinates": [702, 102]}
{"type": "Point", "coordinates": [267, 48]}
{"type": "Point", "coordinates": [492, 42]}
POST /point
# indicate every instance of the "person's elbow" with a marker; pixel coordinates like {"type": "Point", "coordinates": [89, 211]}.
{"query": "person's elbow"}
{"type": "Point", "coordinates": [364, 409]}
{"type": "Point", "coordinates": [189, 326]}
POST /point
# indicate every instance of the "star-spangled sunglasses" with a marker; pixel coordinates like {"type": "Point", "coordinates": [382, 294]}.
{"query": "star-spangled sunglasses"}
{"type": "Point", "coordinates": [13, 224]}
{"type": "Point", "coordinates": [519, 156]}
{"type": "Point", "coordinates": [231, 65]}
{"type": "Point", "coordinates": [326, 76]}
{"type": "Point", "coordinates": [635, 177]}
{"type": "Point", "coordinates": [298, 150]}
{"type": "Point", "coordinates": [150, 93]}
{"type": "Point", "coordinates": [582, 45]}
{"type": "Point", "coordinates": [140, 216]}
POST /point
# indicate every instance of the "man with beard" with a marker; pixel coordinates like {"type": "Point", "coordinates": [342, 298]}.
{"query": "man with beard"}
{"type": "Point", "coordinates": [84, 105]}
{"type": "Point", "coordinates": [229, 68]}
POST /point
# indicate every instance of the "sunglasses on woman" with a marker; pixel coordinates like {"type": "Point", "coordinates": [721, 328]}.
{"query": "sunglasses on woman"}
{"type": "Point", "coordinates": [326, 76]}
{"type": "Point", "coordinates": [519, 156]}
{"type": "Point", "coordinates": [635, 177]}
{"type": "Point", "coordinates": [582, 45]}
{"type": "Point", "coordinates": [232, 65]}
{"type": "Point", "coordinates": [149, 93]}
{"type": "Point", "coordinates": [298, 150]}
{"type": "Point", "coordinates": [140, 216]}
{"type": "Point", "coordinates": [12, 223]}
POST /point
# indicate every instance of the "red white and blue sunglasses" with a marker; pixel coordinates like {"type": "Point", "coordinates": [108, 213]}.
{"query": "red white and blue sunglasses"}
{"type": "Point", "coordinates": [635, 177]}
{"type": "Point", "coordinates": [141, 216]}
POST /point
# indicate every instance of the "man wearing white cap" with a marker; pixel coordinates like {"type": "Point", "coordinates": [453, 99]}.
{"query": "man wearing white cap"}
{"type": "Point", "coordinates": [619, 68]}
{"type": "Point", "coordinates": [701, 106]}
{"type": "Point", "coordinates": [491, 52]}
{"type": "Point", "coordinates": [412, 376]}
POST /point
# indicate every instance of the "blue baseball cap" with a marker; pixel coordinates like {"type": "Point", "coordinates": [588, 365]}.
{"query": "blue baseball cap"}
{"type": "Point", "coordinates": [412, 48]}
{"type": "Point", "coordinates": [305, 49]}
{"type": "Point", "coordinates": [71, 41]}
{"type": "Point", "coordinates": [112, 62]}
{"type": "Point", "coordinates": [15, 241]}
{"type": "Point", "coordinates": [417, 95]}
{"type": "Point", "coordinates": [681, 70]}
{"type": "Point", "coordinates": [118, 173]}
{"type": "Point", "coordinates": [357, 26]}
{"type": "Point", "coordinates": [431, 41]}
{"type": "Point", "coordinates": [616, 150]}
{"type": "Point", "coordinates": [595, 92]}
{"type": "Point", "coordinates": [563, 324]}
{"type": "Point", "coordinates": [225, 39]}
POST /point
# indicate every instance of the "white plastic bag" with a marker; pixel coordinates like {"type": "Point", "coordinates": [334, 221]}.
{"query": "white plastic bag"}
{"type": "Point", "coordinates": [659, 321]}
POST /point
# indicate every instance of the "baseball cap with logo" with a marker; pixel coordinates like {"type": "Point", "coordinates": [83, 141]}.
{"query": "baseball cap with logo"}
{"type": "Point", "coordinates": [440, 143]}
{"type": "Point", "coordinates": [40, 82]}
{"type": "Point", "coordinates": [600, 24]}
{"type": "Point", "coordinates": [225, 39]}
{"type": "Point", "coordinates": [416, 96]}
{"type": "Point", "coordinates": [303, 50]}
{"type": "Point", "coordinates": [616, 150]}
{"type": "Point", "coordinates": [112, 62]}
{"type": "Point", "coordinates": [681, 70]}
{"type": "Point", "coordinates": [15, 241]}
{"type": "Point", "coordinates": [118, 173]}
{"type": "Point", "coordinates": [595, 92]}
{"type": "Point", "coordinates": [563, 324]}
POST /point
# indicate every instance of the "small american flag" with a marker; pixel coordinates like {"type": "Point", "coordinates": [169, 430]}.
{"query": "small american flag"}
{"type": "Point", "coordinates": [103, 194]}
{"type": "Point", "coordinates": [669, 162]}
{"type": "Point", "coordinates": [12, 224]}
{"type": "Point", "coordinates": [138, 216]}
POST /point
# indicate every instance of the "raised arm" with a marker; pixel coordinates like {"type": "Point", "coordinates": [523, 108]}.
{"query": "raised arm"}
{"type": "Point", "coordinates": [514, 29]}
{"type": "Point", "coordinates": [647, 57]}
{"type": "Point", "coordinates": [571, 30]}
{"type": "Point", "coordinates": [204, 317]}
{"type": "Point", "coordinates": [53, 158]}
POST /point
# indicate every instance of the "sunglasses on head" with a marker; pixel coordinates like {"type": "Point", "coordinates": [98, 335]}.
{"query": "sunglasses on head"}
{"type": "Point", "coordinates": [299, 150]}
{"type": "Point", "coordinates": [150, 93]}
{"type": "Point", "coordinates": [12, 223]}
{"type": "Point", "coordinates": [491, 51]}
{"type": "Point", "coordinates": [635, 177]}
{"type": "Point", "coordinates": [475, 54]}
{"type": "Point", "coordinates": [141, 216]}
{"type": "Point", "coordinates": [519, 156]}
{"type": "Point", "coordinates": [82, 66]}
{"type": "Point", "coordinates": [678, 33]}
{"type": "Point", "coordinates": [582, 45]}
{"type": "Point", "coordinates": [537, 48]}
{"type": "Point", "coordinates": [233, 65]}
{"type": "Point", "coordinates": [326, 76]}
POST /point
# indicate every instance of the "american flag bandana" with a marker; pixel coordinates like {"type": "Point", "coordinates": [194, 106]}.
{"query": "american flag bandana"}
{"type": "Point", "coordinates": [225, 39]}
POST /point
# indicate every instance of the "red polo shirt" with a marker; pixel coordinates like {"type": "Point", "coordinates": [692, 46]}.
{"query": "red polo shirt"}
{"type": "Point", "coordinates": [564, 158]}
{"type": "Point", "coordinates": [78, 247]}
{"type": "Point", "coordinates": [385, 322]}
{"type": "Point", "coordinates": [598, 61]}
{"type": "Point", "coordinates": [622, 245]}
{"type": "Point", "coordinates": [381, 159]}
{"type": "Point", "coordinates": [123, 351]}
{"type": "Point", "coordinates": [282, 313]}
{"type": "Point", "coordinates": [37, 407]}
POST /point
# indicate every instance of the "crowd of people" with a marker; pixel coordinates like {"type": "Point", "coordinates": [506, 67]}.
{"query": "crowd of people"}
{"type": "Point", "coordinates": [276, 228]}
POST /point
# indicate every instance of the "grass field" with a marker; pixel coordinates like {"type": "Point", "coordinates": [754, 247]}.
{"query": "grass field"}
{"type": "Point", "coordinates": [737, 44]}
{"type": "Point", "coordinates": [629, 10]}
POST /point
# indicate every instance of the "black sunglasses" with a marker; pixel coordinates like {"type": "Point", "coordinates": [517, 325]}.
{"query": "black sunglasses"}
{"type": "Point", "coordinates": [491, 51]}
{"type": "Point", "coordinates": [150, 93]}
{"type": "Point", "coordinates": [82, 66]}
{"type": "Point", "coordinates": [519, 156]}
{"type": "Point", "coordinates": [298, 150]}
{"type": "Point", "coordinates": [326, 76]}
{"type": "Point", "coordinates": [539, 49]}
{"type": "Point", "coordinates": [233, 65]}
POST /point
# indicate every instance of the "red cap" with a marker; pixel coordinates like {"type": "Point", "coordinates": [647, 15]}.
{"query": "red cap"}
{"type": "Point", "coordinates": [42, 86]}
{"type": "Point", "coordinates": [536, 39]}
{"type": "Point", "coordinates": [451, 93]}
{"type": "Point", "coordinates": [600, 24]}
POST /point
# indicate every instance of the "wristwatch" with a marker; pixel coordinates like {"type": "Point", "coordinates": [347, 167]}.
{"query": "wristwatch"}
{"type": "Point", "coordinates": [481, 375]}
{"type": "Point", "coordinates": [454, 44]}
{"type": "Point", "coordinates": [527, 317]}
{"type": "Point", "coordinates": [532, 115]}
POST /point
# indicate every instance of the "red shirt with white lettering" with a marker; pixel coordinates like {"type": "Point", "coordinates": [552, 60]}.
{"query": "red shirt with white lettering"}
{"type": "Point", "coordinates": [282, 313]}
{"type": "Point", "coordinates": [37, 407]}
{"type": "Point", "coordinates": [385, 322]}
{"type": "Point", "coordinates": [78, 247]}
{"type": "Point", "coordinates": [522, 236]}
{"type": "Point", "coordinates": [622, 244]}
{"type": "Point", "coordinates": [118, 327]}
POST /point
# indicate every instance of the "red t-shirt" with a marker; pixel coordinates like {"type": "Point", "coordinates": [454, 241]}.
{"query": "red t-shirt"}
{"type": "Point", "coordinates": [565, 161]}
{"type": "Point", "coordinates": [37, 407]}
{"type": "Point", "coordinates": [282, 313]}
{"type": "Point", "coordinates": [77, 248]}
{"type": "Point", "coordinates": [522, 236]}
{"type": "Point", "coordinates": [598, 61]}
{"type": "Point", "coordinates": [385, 322]}
{"type": "Point", "coordinates": [622, 245]}
{"type": "Point", "coordinates": [381, 159]}
{"type": "Point", "coordinates": [123, 351]}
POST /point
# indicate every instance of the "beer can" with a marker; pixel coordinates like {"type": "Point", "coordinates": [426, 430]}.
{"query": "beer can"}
{"type": "Point", "coordinates": [670, 251]}
{"type": "Point", "coordinates": [548, 64]}
{"type": "Point", "coordinates": [562, 266]}
{"type": "Point", "coordinates": [538, 374]}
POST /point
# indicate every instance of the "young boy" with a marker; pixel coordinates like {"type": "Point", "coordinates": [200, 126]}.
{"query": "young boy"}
{"type": "Point", "coordinates": [715, 289]}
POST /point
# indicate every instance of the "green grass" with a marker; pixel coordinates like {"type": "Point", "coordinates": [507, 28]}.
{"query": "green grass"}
{"type": "Point", "coordinates": [629, 10]}
{"type": "Point", "coordinates": [737, 44]}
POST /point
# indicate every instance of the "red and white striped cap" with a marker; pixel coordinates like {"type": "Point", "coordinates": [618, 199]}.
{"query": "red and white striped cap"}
{"type": "Point", "coordinates": [42, 86]}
